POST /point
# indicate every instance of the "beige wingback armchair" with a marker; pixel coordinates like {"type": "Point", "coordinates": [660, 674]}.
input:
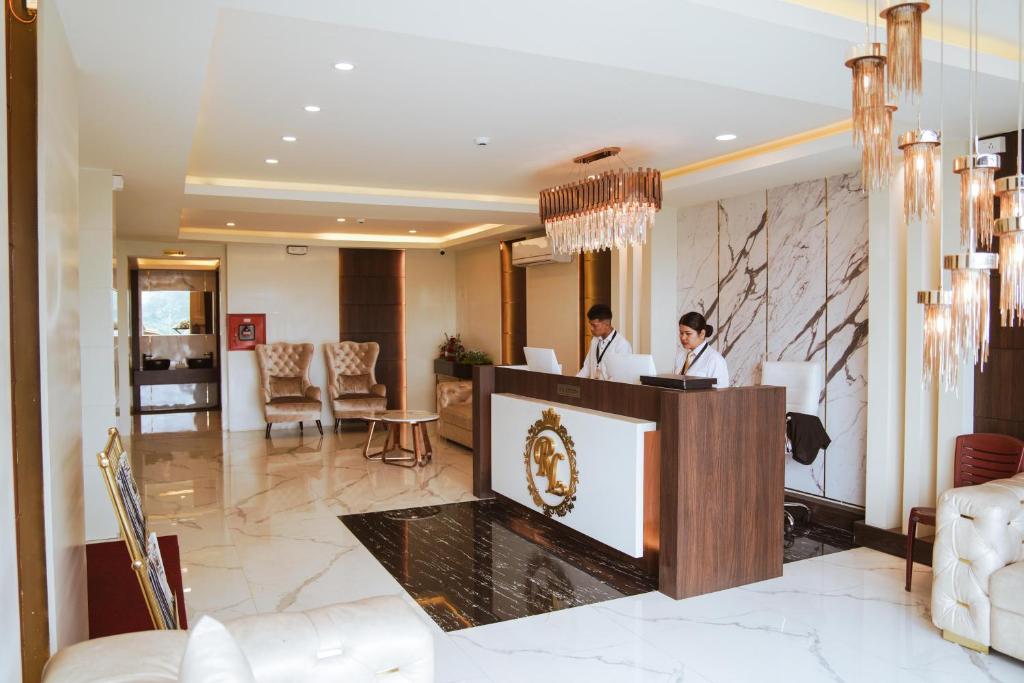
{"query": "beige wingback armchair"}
{"type": "Point", "coordinates": [288, 395]}
{"type": "Point", "coordinates": [455, 412]}
{"type": "Point", "coordinates": [353, 385]}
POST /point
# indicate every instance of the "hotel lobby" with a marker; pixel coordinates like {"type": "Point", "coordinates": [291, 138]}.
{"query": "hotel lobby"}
{"type": "Point", "coordinates": [467, 342]}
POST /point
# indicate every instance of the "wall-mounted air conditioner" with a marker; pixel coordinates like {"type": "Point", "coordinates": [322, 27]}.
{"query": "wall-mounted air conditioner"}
{"type": "Point", "coordinates": [536, 252]}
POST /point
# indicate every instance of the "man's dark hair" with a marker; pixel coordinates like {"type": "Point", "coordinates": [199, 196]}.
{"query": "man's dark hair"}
{"type": "Point", "coordinates": [599, 312]}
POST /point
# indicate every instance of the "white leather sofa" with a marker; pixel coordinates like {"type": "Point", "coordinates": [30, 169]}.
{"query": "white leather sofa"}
{"type": "Point", "coordinates": [377, 639]}
{"type": "Point", "coordinates": [978, 566]}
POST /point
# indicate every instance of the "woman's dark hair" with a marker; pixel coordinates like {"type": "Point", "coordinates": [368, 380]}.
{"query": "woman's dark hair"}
{"type": "Point", "coordinates": [695, 321]}
{"type": "Point", "coordinates": [599, 312]}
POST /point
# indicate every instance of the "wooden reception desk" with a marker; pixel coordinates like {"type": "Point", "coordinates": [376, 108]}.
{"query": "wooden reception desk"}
{"type": "Point", "coordinates": [718, 472]}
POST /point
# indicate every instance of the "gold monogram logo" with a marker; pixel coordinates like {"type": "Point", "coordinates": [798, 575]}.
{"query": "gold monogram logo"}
{"type": "Point", "coordinates": [548, 444]}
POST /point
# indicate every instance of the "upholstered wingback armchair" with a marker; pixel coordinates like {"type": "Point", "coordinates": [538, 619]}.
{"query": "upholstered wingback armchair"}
{"type": "Point", "coordinates": [288, 395]}
{"type": "Point", "coordinates": [353, 384]}
{"type": "Point", "coordinates": [978, 566]}
{"type": "Point", "coordinates": [455, 412]}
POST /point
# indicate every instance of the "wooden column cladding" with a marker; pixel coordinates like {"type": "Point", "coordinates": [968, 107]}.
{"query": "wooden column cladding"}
{"type": "Point", "coordinates": [26, 456]}
{"type": "Point", "coordinates": [595, 268]}
{"type": "Point", "coordinates": [999, 389]}
{"type": "Point", "coordinates": [513, 308]}
{"type": "Point", "coordinates": [372, 308]}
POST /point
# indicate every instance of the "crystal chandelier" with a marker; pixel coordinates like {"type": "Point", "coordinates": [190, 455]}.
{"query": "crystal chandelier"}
{"type": "Point", "coordinates": [921, 154]}
{"type": "Point", "coordinates": [903, 40]}
{"type": "Point", "coordinates": [1010, 225]}
{"type": "Point", "coordinates": [940, 357]}
{"type": "Point", "coordinates": [615, 208]}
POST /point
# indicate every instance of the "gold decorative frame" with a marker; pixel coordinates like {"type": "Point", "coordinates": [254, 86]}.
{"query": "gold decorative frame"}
{"type": "Point", "coordinates": [551, 422]}
{"type": "Point", "coordinates": [109, 459]}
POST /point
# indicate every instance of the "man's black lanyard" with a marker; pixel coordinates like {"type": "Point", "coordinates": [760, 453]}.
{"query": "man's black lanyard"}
{"type": "Point", "coordinates": [600, 353]}
{"type": "Point", "coordinates": [697, 358]}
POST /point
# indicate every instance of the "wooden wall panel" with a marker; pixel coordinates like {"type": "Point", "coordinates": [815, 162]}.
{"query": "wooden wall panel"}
{"type": "Point", "coordinates": [595, 288]}
{"type": "Point", "coordinates": [998, 393]}
{"type": "Point", "coordinates": [513, 308]}
{"type": "Point", "coordinates": [372, 308]}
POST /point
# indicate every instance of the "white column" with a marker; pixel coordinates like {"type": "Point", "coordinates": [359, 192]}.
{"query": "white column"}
{"type": "Point", "coordinates": [96, 328]}
{"type": "Point", "coordinates": [886, 345]}
{"type": "Point", "coordinates": [660, 287]}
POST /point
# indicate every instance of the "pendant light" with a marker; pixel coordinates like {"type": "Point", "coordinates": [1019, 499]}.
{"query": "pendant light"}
{"type": "Point", "coordinates": [970, 270]}
{"type": "Point", "coordinates": [940, 357]}
{"type": "Point", "coordinates": [903, 41]}
{"type": "Point", "coordinates": [1010, 225]}
{"type": "Point", "coordinates": [872, 113]}
{"type": "Point", "coordinates": [977, 191]}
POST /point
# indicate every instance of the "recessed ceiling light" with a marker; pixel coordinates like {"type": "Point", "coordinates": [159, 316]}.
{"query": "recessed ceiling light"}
{"type": "Point", "coordinates": [412, 232]}
{"type": "Point", "coordinates": [289, 138]}
{"type": "Point", "coordinates": [311, 107]}
{"type": "Point", "coordinates": [344, 66]}
{"type": "Point", "coordinates": [725, 137]}
{"type": "Point", "coordinates": [271, 161]}
{"type": "Point", "coordinates": [341, 220]}
{"type": "Point", "coordinates": [230, 225]}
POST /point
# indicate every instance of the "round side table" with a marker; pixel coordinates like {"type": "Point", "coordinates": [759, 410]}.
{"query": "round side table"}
{"type": "Point", "coordinates": [422, 451]}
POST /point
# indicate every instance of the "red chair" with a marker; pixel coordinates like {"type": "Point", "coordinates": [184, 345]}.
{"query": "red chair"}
{"type": "Point", "coordinates": [979, 458]}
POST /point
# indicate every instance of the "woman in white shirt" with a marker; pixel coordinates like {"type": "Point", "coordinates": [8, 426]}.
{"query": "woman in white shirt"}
{"type": "Point", "coordinates": [697, 358]}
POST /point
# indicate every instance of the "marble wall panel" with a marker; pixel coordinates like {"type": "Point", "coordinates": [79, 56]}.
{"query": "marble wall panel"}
{"type": "Point", "coordinates": [697, 280]}
{"type": "Point", "coordinates": [742, 284]}
{"type": "Point", "coordinates": [796, 295]}
{"type": "Point", "coordinates": [846, 351]}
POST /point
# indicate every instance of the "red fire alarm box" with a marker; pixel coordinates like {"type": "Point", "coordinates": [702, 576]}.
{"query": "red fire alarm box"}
{"type": "Point", "coordinates": [246, 330]}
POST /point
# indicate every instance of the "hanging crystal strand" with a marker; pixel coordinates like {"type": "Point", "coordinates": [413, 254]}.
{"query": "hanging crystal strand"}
{"type": "Point", "coordinates": [903, 43]}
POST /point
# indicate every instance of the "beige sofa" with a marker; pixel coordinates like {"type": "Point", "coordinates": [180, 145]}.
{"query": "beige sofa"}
{"type": "Point", "coordinates": [376, 639]}
{"type": "Point", "coordinates": [455, 412]}
{"type": "Point", "coordinates": [978, 566]}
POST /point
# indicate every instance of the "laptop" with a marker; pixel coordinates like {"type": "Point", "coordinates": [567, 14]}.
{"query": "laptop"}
{"type": "Point", "coordinates": [628, 367]}
{"type": "Point", "coordinates": [542, 360]}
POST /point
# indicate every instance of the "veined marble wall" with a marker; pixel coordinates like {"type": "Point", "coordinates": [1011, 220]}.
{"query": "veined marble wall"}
{"type": "Point", "coordinates": [782, 275]}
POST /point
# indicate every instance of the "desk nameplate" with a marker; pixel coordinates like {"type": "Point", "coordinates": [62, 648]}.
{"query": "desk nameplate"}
{"type": "Point", "coordinates": [568, 390]}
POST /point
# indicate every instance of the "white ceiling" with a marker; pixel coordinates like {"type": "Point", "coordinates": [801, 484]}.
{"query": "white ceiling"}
{"type": "Point", "coordinates": [187, 99]}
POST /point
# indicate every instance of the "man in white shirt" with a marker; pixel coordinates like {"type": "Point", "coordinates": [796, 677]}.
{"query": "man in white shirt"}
{"type": "Point", "coordinates": [606, 340]}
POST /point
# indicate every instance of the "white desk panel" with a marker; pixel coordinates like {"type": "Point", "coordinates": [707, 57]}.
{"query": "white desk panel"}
{"type": "Point", "coordinates": [609, 453]}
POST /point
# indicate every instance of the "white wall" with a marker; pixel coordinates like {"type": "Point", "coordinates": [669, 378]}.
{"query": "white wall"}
{"type": "Point", "coordinates": [141, 249]}
{"type": "Point", "coordinates": [478, 298]}
{"type": "Point", "coordinates": [429, 313]}
{"type": "Point", "coordinates": [299, 295]}
{"type": "Point", "coordinates": [96, 326]}
{"type": "Point", "coordinates": [61, 404]}
{"type": "Point", "coordinates": [10, 621]}
{"type": "Point", "coordinates": [553, 311]}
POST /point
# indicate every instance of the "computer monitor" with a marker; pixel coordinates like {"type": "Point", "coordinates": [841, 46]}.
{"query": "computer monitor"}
{"type": "Point", "coordinates": [628, 367]}
{"type": "Point", "coordinates": [542, 360]}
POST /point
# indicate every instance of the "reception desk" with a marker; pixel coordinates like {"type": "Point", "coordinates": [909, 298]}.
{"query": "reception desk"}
{"type": "Point", "coordinates": [706, 489]}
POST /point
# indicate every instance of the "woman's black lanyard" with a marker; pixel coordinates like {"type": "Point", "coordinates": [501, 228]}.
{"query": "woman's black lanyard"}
{"type": "Point", "coordinates": [697, 358]}
{"type": "Point", "coordinates": [601, 353]}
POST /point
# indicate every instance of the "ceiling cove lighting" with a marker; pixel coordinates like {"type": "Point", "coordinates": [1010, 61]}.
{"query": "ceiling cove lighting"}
{"type": "Point", "coordinates": [1010, 225]}
{"type": "Point", "coordinates": [311, 108]}
{"type": "Point", "coordinates": [614, 208]}
{"type": "Point", "coordinates": [725, 137]}
{"type": "Point", "coordinates": [903, 40]}
{"type": "Point", "coordinates": [289, 138]}
{"type": "Point", "coordinates": [344, 66]}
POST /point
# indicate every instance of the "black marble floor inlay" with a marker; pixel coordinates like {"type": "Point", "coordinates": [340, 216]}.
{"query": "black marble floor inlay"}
{"type": "Point", "coordinates": [481, 562]}
{"type": "Point", "coordinates": [813, 540]}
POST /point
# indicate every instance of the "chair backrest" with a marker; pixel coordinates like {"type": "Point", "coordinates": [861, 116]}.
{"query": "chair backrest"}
{"type": "Point", "coordinates": [282, 359]}
{"type": "Point", "coordinates": [351, 359]}
{"type": "Point", "coordinates": [983, 457]}
{"type": "Point", "coordinates": [804, 382]}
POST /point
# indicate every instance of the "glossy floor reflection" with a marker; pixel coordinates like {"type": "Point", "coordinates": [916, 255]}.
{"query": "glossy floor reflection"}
{"type": "Point", "coordinates": [258, 529]}
{"type": "Point", "coordinates": [813, 540]}
{"type": "Point", "coordinates": [481, 562]}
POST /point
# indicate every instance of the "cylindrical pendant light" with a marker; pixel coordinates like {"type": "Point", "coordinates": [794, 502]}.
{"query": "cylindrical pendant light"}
{"type": "Point", "coordinates": [920, 167]}
{"type": "Point", "coordinates": [1010, 232]}
{"type": "Point", "coordinates": [872, 115]}
{"type": "Point", "coordinates": [903, 40]}
{"type": "Point", "coordinates": [940, 358]}
{"type": "Point", "coordinates": [971, 303]}
{"type": "Point", "coordinates": [977, 194]}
